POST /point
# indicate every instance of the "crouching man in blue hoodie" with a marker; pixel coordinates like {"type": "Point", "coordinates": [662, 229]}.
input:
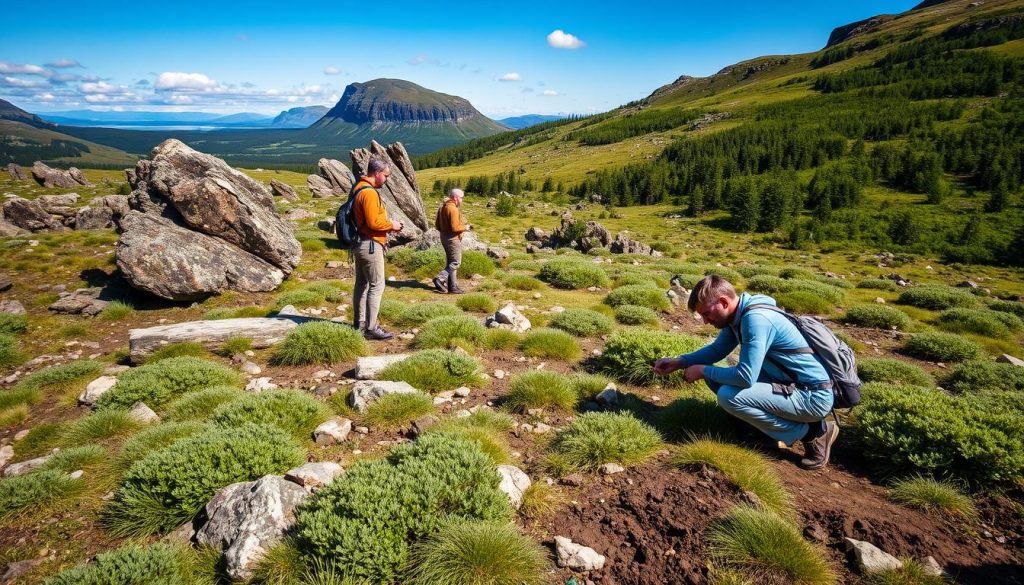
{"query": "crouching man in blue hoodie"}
{"type": "Point", "coordinates": [778, 386]}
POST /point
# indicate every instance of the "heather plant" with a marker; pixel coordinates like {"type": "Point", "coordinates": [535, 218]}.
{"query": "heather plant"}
{"type": "Point", "coordinates": [159, 383]}
{"type": "Point", "coordinates": [582, 322]}
{"type": "Point", "coordinates": [629, 356]}
{"type": "Point", "coordinates": [434, 370]}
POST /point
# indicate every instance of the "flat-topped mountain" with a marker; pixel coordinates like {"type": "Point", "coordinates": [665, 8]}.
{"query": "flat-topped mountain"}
{"type": "Point", "coordinates": [400, 101]}
{"type": "Point", "coordinates": [302, 117]}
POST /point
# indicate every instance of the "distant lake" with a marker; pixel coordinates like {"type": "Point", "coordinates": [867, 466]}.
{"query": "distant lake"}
{"type": "Point", "coordinates": [181, 127]}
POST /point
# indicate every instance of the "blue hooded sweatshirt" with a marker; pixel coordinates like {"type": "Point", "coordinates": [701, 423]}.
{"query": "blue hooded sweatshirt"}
{"type": "Point", "coordinates": [764, 332]}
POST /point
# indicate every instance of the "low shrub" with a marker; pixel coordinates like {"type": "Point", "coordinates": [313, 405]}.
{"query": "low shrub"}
{"type": "Point", "coordinates": [878, 284]}
{"type": "Point", "coordinates": [133, 564]}
{"type": "Point", "coordinates": [491, 440]}
{"type": "Point", "coordinates": [775, 285]}
{"type": "Point", "coordinates": [235, 345]}
{"type": "Point", "coordinates": [299, 298]}
{"type": "Point", "coordinates": [35, 491]}
{"type": "Point", "coordinates": [292, 411]}
{"type": "Point", "coordinates": [173, 350]}
{"type": "Point", "coordinates": [748, 469]}
{"type": "Point", "coordinates": [10, 351]}
{"type": "Point", "coordinates": [11, 324]}
{"type": "Point", "coordinates": [941, 347]}
{"type": "Point", "coordinates": [793, 272]}
{"type": "Point", "coordinates": [644, 296]}
{"type": "Point", "coordinates": [588, 386]}
{"type": "Point", "coordinates": [573, 274]}
{"type": "Point", "coordinates": [540, 389]}
{"type": "Point", "coordinates": [635, 280]}
{"type": "Point", "coordinates": [434, 370]}
{"type": "Point", "coordinates": [365, 521]}
{"type": "Point", "coordinates": [695, 413]}
{"type": "Point", "coordinates": [877, 316]}
{"type": "Point", "coordinates": [1012, 307]}
{"type": "Point", "coordinates": [99, 426]}
{"type": "Point", "coordinates": [523, 264]}
{"type": "Point", "coordinates": [116, 310]}
{"type": "Point", "coordinates": [200, 405]}
{"type": "Point", "coordinates": [764, 546]}
{"type": "Point", "coordinates": [925, 493]}
{"type": "Point", "coordinates": [629, 356]}
{"type": "Point", "coordinates": [501, 339]}
{"type": "Point", "coordinates": [420, 313]}
{"type": "Point", "coordinates": [74, 458]}
{"type": "Point", "coordinates": [582, 322]}
{"type": "Point", "coordinates": [893, 372]}
{"type": "Point", "coordinates": [758, 270]}
{"type": "Point", "coordinates": [156, 384]}
{"type": "Point", "coordinates": [477, 303]}
{"type": "Point", "coordinates": [427, 263]}
{"type": "Point", "coordinates": [523, 282]}
{"type": "Point", "coordinates": [596, 438]}
{"type": "Point", "coordinates": [156, 437]}
{"type": "Point", "coordinates": [444, 332]}
{"type": "Point", "coordinates": [391, 310]}
{"type": "Point", "coordinates": [478, 553]}
{"type": "Point", "coordinates": [908, 429]}
{"type": "Point", "coordinates": [980, 377]}
{"type": "Point", "coordinates": [395, 411]}
{"type": "Point", "coordinates": [937, 297]}
{"type": "Point", "coordinates": [806, 302]}
{"type": "Point", "coordinates": [980, 321]}
{"type": "Point", "coordinates": [168, 486]}
{"type": "Point", "coordinates": [635, 315]}
{"type": "Point", "coordinates": [544, 342]}
{"type": "Point", "coordinates": [320, 342]}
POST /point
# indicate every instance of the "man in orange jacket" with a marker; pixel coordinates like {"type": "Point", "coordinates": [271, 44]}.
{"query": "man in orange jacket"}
{"type": "Point", "coordinates": [374, 226]}
{"type": "Point", "coordinates": [449, 224]}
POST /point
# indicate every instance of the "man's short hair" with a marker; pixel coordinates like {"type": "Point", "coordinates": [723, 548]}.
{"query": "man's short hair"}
{"type": "Point", "coordinates": [376, 165]}
{"type": "Point", "coordinates": [710, 287]}
{"type": "Point", "coordinates": [456, 192]}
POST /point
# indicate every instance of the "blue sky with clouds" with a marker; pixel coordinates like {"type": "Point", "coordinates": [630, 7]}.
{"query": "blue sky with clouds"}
{"type": "Point", "coordinates": [507, 59]}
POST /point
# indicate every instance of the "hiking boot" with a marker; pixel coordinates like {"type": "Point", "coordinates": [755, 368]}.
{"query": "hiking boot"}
{"type": "Point", "coordinates": [439, 285]}
{"type": "Point", "coordinates": [453, 285]}
{"type": "Point", "coordinates": [360, 326]}
{"type": "Point", "coordinates": [818, 449]}
{"type": "Point", "coordinates": [377, 334]}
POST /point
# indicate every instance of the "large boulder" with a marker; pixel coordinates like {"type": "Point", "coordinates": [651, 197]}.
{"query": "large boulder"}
{"type": "Point", "coordinates": [283, 190]}
{"type": "Point", "coordinates": [16, 172]}
{"type": "Point", "coordinates": [49, 177]}
{"type": "Point", "coordinates": [401, 195]}
{"type": "Point", "coordinates": [198, 227]}
{"type": "Point", "coordinates": [246, 519]}
{"type": "Point", "coordinates": [101, 213]}
{"type": "Point", "coordinates": [337, 174]}
{"type": "Point", "coordinates": [319, 187]}
{"type": "Point", "coordinates": [29, 215]}
{"type": "Point", "coordinates": [578, 234]}
{"type": "Point", "coordinates": [623, 244]}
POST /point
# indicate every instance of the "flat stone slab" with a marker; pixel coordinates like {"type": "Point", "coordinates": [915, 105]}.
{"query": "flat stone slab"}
{"type": "Point", "coordinates": [263, 331]}
{"type": "Point", "coordinates": [368, 367]}
{"type": "Point", "coordinates": [313, 476]}
{"type": "Point", "coordinates": [366, 392]}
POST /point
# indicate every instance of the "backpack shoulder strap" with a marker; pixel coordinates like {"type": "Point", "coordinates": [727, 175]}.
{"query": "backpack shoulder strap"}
{"type": "Point", "coordinates": [352, 197]}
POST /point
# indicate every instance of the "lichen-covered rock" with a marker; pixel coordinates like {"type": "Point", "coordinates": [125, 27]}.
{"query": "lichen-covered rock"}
{"type": "Point", "coordinates": [337, 174]}
{"type": "Point", "coordinates": [366, 392]}
{"type": "Point", "coordinates": [319, 187]}
{"type": "Point", "coordinates": [283, 190]}
{"type": "Point", "coordinates": [29, 215]}
{"type": "Point", "coordinates": [50, 177]}
{"type": "Point", "coordinates": [400, 195]}
{"type": "Point", "coordinates": [514, 482]}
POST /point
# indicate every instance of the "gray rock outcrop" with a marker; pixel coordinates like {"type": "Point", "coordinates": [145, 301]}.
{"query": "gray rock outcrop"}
{"type": "Point", "coordinates": [623, 244]}
{"type": "Point", "coordinates": [83, 301]}
{"type": "Point", "coordinates": [401, 195]}
{"type": "Point", "coordinates": [366, 392]}
{"type": "Point", "coordinates": [29, 215]}
{"type": "Point", "coordinates": [262, 331]}
{"type": "Point", "coordinates": [338, 175]}
{"type": "Point", "coordinates": [319, 187]}
{"type": "Point", "coordinates": [283, 190]}
{"type": "Point", "coordinates": [16, 172]}
{"type": "Point", "coordinates": [198, 227]}
{"type": "Point", "coordinates": [508, 317]}
{"type": "Point", "coordinates": [50, 177]}
{"type": "Point", "coordinates": [246, 519]}
{"type": "Point", "coordinates": [101, 213]}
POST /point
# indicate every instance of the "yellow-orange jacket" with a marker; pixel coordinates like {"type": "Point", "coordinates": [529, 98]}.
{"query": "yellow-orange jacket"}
{"type": "Point", "coordinates": [370, 215]}
{"type": "Point", "coordinates": [449, 221]}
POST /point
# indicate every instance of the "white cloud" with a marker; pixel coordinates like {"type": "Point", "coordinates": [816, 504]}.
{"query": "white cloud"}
{"type": "Point", "coordinates": [549, 93]}
{"type": "Point", "coordinates": [15, 82]}
{"type": "Point", "coordinates": [97, 87]}
{"type": "Point", "coordinates": [510, 76]}
{"type": "Point", "coordinates": [332, 71]}
{"type": "Point", "coordinates": [96, 98]}
{"type": "Point", "coordinates": [418, 60]}
{"type": "Point", "coordinates": [560, 39]}
{"type": "Point", "coordinates": [171, 80]}
{"type": "Point", "coordinates": [45, 97]}
{"type": "Point", "coordinates": [23, 69]}
{"type": "Point", "coordinates": [64, 64]}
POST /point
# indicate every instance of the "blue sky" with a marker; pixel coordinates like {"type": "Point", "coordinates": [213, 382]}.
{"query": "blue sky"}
{"type": "Point", "coordinates": [265, 57]}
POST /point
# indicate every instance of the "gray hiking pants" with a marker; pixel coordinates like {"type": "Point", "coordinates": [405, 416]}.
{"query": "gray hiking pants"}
{"type": "Point", "coordinates": [369, 287]}
{"type": "Point", "coordinates": [453, 255]}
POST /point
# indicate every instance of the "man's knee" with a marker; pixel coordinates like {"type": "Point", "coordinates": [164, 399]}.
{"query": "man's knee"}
{"type": "Point", "coordinates": [727, 398]}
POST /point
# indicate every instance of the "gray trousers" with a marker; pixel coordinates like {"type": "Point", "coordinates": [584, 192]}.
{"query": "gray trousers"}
{"type": "Point", "coordinates": [453, 255]}
{"type": "Point", "coordinates": [369, 287]}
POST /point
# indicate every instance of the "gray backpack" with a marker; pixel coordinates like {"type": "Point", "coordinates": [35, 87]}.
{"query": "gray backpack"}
{"type": "Point", "coordinates": [833, 354]}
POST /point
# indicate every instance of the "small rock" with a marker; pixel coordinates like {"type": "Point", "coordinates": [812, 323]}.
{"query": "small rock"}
{"type": "Point", "coordinates": [609, 396]}
{"type": "Point", "coordinates": [260, 384]}
{"type": "Point", "coordinates": [366, 392]}
{"type": "Point", "coordinates": [612, 468]}
{"type": "Point", "coordinates": [420, 425]}
{"type": "Point", "coordinates": [880, 300]}
{"type": "Point", "coordinates": [514, 482]}
{"type": "Point", "coordinates": [871, 559]}
{"type": "Point", "coordinates": [250, 368]}
{"type": "Point", "coordinates": [362, 430]}
{"type": "Point", "coordinates": [332, 432]}
{"type": "Point", "coordinates": [573, 479]}
{"type": "Point", "coordinates": [6, 454]}
{"type": "Point", "coordinates": [21, 435]}
{"type": "Point", "coordinates": [931, 567]}
{"type": "Point", "coordinates": [334, 264]}
{"type": "Point", "coordinates": [499, 374]}
{"type": "Point", "coordinates": [1009, 359]}
{"type": "Point", "coordinates": [541, 428]}
{"type": "Point", "coordinates": [462, 391]}
{"type": "Point", "coordinates": [576, 556]}
{"type": "Point", "coordinates": [368, 367]}
{"type": "Point", "coordinates": [314, 476]}
{"type": "Point", "coordinates": [321, 374]}
{"type": "Point", "coordinates": [77, 474]}
{"type": "Point", "coordinates": [95, 389]}
{"type": "Point", "coordinates": [23, 467]}
{"type": "Point", "coordinates": [144, 414]}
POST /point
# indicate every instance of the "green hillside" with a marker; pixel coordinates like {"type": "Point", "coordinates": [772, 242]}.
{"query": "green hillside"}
{"type": "Point", "coordinates": [24, 144]}
{"type": "Point", "coordinates": [904, 133]}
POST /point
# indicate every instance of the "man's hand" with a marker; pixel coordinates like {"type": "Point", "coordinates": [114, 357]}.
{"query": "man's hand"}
{"type": "Point", "coordinates": [397, 226]}
{"type": "Point", "coordinates": [694, 373]}
{"type": "Point", "coordinates": [666, 366]}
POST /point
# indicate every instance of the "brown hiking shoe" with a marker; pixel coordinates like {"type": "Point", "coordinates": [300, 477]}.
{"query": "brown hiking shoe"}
{"type": "Point", "coordinates": [818, 450]}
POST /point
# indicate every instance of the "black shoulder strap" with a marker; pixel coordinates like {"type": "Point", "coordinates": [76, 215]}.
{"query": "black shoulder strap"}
{"type": "Point", "coordinates": [352, 198]}
{"type": "Point", "coordinates": [767, 357]}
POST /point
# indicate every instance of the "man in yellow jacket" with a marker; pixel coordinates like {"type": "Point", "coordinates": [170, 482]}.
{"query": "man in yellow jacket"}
{"type": "Point", "coordinates": [374, 226]}
{"type": "Point", "coordinates": [449, 224]}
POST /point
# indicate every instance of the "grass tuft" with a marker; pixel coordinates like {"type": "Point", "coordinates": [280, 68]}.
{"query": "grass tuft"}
{"type": "Point", "coordinates": [445, 332]}
{"type": "Point", "coordinates": [478, 553]}
{"type": "Point", "coordinates": [200, 405]}
{"type": "Point", "coordinates": [434, 370]}
{"type": "Point", "coordinates": [116, 310]}
{"type": "Point", "coordinates": [582, 322]}
{"type": "Point", "coordinates": [320, 342]}
{"type": "Point", "coordinates": [596, 438]}
{"type": "Point", "coordinates": [925, 493]}
{"type": "Point", "coordinates": [292, 411]}
{"type": "Point", "coordinates": [540, 389]}
{"type": "Point", "coordinates": [477, 303]}
{"type": "Point", "coordinates": [545, 342]}
{"type": "Point", "coordinates": [396, 411]}
{"type": "Point", "coordinates": [748, 469]}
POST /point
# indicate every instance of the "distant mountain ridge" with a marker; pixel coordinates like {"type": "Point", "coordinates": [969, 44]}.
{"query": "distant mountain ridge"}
{"type": "Point", "coordinates": [299, 117]}
{"type": "Point", "coordinates": [527, 120]}
{"type": "Point", "coordinates": [399, 101]}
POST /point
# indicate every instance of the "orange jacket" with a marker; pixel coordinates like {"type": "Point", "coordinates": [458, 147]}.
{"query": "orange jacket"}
{"type": "Point", "coordinates": [370, 215]}
{"type": "Point", "coordinates": [448, 221]}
